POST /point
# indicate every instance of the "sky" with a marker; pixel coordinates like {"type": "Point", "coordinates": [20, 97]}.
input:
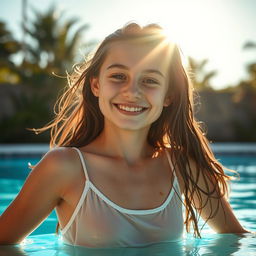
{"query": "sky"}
{"type": "Point", "coordinates": [205, 29]}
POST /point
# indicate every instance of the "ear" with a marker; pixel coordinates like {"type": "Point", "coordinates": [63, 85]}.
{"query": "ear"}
{"type": "Point", "coordinates": [167, 101]}
{"type": "Point", "coordinates": [94, 82]}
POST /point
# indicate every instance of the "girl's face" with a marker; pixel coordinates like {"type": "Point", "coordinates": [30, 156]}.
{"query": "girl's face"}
{"type": "Point", "coordinates": [132, 85]}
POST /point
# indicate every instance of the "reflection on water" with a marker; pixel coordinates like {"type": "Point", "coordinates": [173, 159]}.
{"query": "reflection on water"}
{"type": "Point", "coordinates": [212, 244]}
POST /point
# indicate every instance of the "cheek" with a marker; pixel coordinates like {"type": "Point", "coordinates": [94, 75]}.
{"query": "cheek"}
{"type": "Point", "coordinates": [157, 98]}
{"type": "Point", "coordinates": [106, 95]}
{"type": "Point", "coordinates": [157, 102]}
{"type": "Point", "coordinates": [107, 89]}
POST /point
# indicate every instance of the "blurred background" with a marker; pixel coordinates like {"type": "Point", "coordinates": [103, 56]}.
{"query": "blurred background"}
{"type": "Point", "coordinates": [41, 40]}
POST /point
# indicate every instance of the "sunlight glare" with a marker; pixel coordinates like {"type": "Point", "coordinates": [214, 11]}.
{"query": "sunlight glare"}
{"type": "Point", "coordinates": [192, 26]}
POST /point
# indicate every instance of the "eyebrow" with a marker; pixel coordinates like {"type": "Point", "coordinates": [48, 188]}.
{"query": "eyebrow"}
{"type": "Point", "coordinates": [145, 71]}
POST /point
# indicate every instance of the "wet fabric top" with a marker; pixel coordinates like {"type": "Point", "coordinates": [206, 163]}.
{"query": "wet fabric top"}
{"type": "Point", "coordinates": [98, 222]}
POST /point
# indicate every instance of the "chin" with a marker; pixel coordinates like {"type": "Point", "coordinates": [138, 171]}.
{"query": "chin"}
{"type": "Point", "coordinates": [131, 127]}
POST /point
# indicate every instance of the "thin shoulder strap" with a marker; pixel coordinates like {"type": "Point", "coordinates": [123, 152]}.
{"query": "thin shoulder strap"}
{"type": "Point", "coordinates": [83, 163]}
{"type": "Point", "coordinates": [170, 163]}
{"type": "Point", "coordinates": [175, 181]}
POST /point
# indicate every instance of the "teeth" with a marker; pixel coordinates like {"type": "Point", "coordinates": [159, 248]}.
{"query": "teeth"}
{"type": "Point", "coordinates": [130, 109]}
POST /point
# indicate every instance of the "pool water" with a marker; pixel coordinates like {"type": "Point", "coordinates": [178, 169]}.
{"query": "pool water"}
{"type": "Point", "coordinates": [212, 245]}
{"type": "Point", "coordinates": [42, 241]}
{"type": "Point", "coordinates": [13, 173]}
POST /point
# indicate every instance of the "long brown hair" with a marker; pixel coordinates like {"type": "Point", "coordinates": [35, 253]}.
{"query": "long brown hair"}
{"type": "Point", "coordinates": [79, 120]}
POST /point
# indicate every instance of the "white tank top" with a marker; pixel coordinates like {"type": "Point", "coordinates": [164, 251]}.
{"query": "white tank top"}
{"type": "Point", "coordinates": [99, 222]}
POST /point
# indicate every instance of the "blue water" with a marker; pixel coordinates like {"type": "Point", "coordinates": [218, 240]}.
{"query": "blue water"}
{"type": "Point", "coordinates": [43, 242]}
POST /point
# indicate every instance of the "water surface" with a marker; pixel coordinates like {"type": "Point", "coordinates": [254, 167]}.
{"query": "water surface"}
{"type": "Point", "coordinates": [42, 241]}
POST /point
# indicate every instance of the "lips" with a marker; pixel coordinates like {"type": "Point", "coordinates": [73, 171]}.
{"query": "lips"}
{"type": "Point", "coordinates": [133, 109]}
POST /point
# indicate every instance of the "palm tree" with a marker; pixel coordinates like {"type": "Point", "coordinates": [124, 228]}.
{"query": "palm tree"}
{"type": "Point", "coordinates": [53, 45]}
{"type": "Point", "coordinates": [245, 102]}
{"type": "Point", "coordinates": [249, 45]}
{"type": "Point", "coordinates": [200, 78]}
{"type": "Point", "coordinates": [8, 47]}
{"type": "Point", "coordinates": [251, 68]}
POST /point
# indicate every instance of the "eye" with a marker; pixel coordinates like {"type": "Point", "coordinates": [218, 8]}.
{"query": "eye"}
{"type": "Point", "coordinates": [150, 81]}
{"type": "Point", "coordinates": [119, 77]}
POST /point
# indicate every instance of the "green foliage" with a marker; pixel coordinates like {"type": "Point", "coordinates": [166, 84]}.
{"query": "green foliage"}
{"type": "Point", "coordinates": [200, 78]}
{"type": "Point", "coordinates": [29, 90]}
{"type": "Point", "coordinates": [235, 107]}
{"type": "Point", "coordinates": [54, 45]}
{"type": "Point", "coordinates": [51, 48]}
{"type": "Point", "coordinates": [8, 47]}
{"type": "Point", "coordinates": [31, 112]}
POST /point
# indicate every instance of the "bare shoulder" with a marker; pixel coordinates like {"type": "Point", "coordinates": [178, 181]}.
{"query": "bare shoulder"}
{"type": "Point", "coordinates": [60, 164]}
{"type": "Point", "coordinates": [42, 191]}
{"type": "Point", "coordinates": [60, 156]}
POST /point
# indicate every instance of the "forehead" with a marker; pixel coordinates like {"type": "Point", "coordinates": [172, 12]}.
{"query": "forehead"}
{"type": "Point", "coordinates": [138, 55]}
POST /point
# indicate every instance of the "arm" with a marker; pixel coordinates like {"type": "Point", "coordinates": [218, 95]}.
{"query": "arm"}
{"type": "Point", "coordinates": [39, 195]}
{"type": "Point", "coordinates": [225, 220]}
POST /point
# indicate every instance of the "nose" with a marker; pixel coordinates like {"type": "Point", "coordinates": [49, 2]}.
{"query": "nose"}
{"type": "Point", "coordinates": [132, 90]}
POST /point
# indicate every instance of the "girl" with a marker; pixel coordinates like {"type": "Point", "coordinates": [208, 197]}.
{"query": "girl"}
{"type": "Point", "coordinates": [127, 153]}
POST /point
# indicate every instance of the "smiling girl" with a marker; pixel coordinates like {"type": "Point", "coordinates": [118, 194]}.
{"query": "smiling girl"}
{"type": "Point", "coordinates": [127, 153]}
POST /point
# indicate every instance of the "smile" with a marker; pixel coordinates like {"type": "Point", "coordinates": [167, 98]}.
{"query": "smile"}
{"type": "Point", "coordinates": [130, 109]}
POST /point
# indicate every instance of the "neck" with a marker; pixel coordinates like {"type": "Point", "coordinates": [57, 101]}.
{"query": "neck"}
{"type": "Point", "coordinates": [130, 146]}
